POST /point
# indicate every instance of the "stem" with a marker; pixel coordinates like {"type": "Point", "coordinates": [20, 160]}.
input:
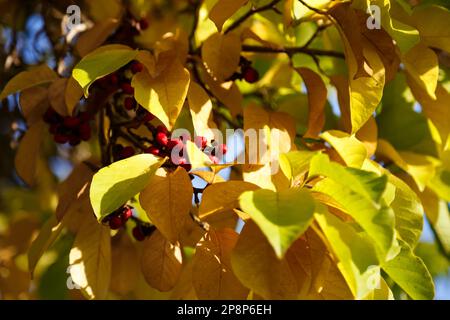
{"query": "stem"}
{"type": "Point", "coordinates": [293, 50]}
{"type": "Point", "coordinates": [250, 13]}
{"type": "Point", "coordinates": [318, 11]}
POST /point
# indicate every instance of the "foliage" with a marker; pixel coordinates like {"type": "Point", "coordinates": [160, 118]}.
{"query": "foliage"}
{"type": "Point", "coordinates": [151, 211]}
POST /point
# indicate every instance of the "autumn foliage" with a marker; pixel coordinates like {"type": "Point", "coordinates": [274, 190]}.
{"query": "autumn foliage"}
{"type": "Point", "coordinates": [138, 100]}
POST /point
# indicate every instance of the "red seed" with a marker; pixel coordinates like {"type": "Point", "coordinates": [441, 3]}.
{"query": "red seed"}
{"type": "Point", "coordinates": [143, 24]}
{"type": "Point", "coordinates": [129, 103]}
{"type": "Point", "coordinates": [173, 143]}
{"type": "Point", "coordinates": [61, 138]}
{"type": "Point", "coordinates": [126, 214]}
{"type": "Point", "coordinates": [74, 140]}
{"type": "Point", "coordinates": [136, 67]}
{"type": "Point", "coordinates": [162, 128]}
{"type": "Point", "coordinates": [153, 150]}
{"type": "Point", "coordinates": [250, 75]}
{"type": "Point", "coordinates": [127, 88]}
{"type": "Point", "coordinates": [85, 131]}
{"type": "Point", "coordinates": [126, 152]}
{"type": "Point", "coordinates": [223, 149]}
{"type": "Point", "coordinates": [138, 234]}
{"type": "Point", "coordinates": [71, 122]}
{"type": "Point", "coordinates": [162, 138]}
{"type": "Point", "coordinates": [115, 222]}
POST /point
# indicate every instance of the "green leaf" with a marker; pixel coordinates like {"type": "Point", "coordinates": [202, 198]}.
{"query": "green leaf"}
{"type": "Point", "coordinates": [114, 185]}
{"type": "Point", "coordinates": [101, 62]}
{"type": "Point", "coordinates": [440, 184]}
{"type": "Point", "coordinates": [359, 193]}
{"type": "Point", "coordinates": [351, 150]}
{"type": "Point", "coordinates": [27, 79]}
{"type": "Point", "coordinates": [408, 212]}
{"type": "Point", "coordinates": [282, 216]}
{"type": "Point", "coordinates": [411, 274]}
{"type": "Point", "coordinates": [355, 251]}
{"type": "Point", "coordinates": [296, 162]}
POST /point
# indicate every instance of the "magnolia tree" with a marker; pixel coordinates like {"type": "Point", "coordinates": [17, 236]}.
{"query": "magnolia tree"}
{"type": "Point", "coordinates": [227, 149]}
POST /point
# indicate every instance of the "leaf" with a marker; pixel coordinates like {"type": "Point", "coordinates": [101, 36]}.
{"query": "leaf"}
{"type": "Point", "coordinates": [357, 257]}
{"type": "Point", "coordinates": [255, 264]}
{"type": "Point", "coordinates": [368, 135]}
{"type": "Point", "coordinates": [167, 199]}
{"type": "Point", "coordinates": [33, 103]}
{"type": "Point", "coordinates": [222, 197]}
{"type": "Point", "coordinates": [27, 156]}
{"type": "Point", "coordinates": [161, 262]}
{"type": "Point", "coordinates": [115, 184]}
{"type": "Point", "coordinates": [26, 79]}
{"type": "Point", "coordinates": [71, 189]}
{"type": "Point", "coordinates": [197, 158]}
{"type": "Point", "coordinates": [408, 212]}
{"type": "Point", "coordinates": [317, 98]}
{"type": "Point", "coordinates": [223, 10]}
{"type": "Point", "coordinates": [96, 36]}
{"type": "Point", "coordinates": [359, 193]}
{"type": "Point", "coordinates": [411, 274]}
{"type": "Point", "coordinates": [212, 276]}
{"type": "Point", "coordinates": [433, 24]}
{"type": "Point", "coordinates": [208, 176]}
{"type": "Point", "coordinates": [351, 150]}
{"type": "Point", "coordinates": [47, 236]}
{"type": "Point", "coordinates": [125, 264]}
{"type": "Point", "coordinates": [422, 67]}
{"type": "Point", "coordinates": [201, 107]}
{"type": "Point", "coordinates": [101, 10]}
{"type": "Point", "coordinates": [90, 259]}
{"type": "Point", "coordinates": [101, 62]}
{"type": "Point", "coordinates": [282, 216]}
{"type": "Point", "coordinates": [221, 54]}
{"type": "Point", "coordinates": [228, 93]}
{"type": "Point", "coordinates": [56, 96]}
{"type": "Point", "coordinates": [295, 163]}
{"type": "Point", "coordinates": [164, 95]}
{"type": "Point", "coordinates": [72, 95]}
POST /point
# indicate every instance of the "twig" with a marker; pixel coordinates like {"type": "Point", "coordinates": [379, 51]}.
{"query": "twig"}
{"type": "Point", "coordinates": [293, 50]}
{"type": "Point", "coordinates": [318, 11]}
{"type": "Point", "coordinates": [251, 12]}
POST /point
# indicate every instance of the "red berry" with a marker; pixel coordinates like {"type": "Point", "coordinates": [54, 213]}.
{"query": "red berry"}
{"type": "Point", "coordinates": [85, 131]}
{"type": "Point", "coordinates": [61, 138]}
{"type": "Point", "coordinates": [182, 162]}
{"type": "Point", "coordinates": [74, 140]}
{"type": "Point", "coordinates": [113, 79]}
{"type": "Point", "coordinates": [54, 127]}
{"type": "Point", "coordinates": [51, 116]}
{"type": "Point", "coordinates": [162, 138]}
{"type": "Point", "coordinates": [84, 116]}
{"type": "Point", "coordinates": [143, 24]}
{"type": "Point", "coordinates": [71, 122]}
{"type": "Point", "coordinates": [127, 88]}
{"type": "Point", "coordinates": [115, 222]}
{"type": "Point", "coordinates": [223, 149]}
{"type": "Point", "coordinates": [173, 143]}
{"type": "Point", "coordinates": [147, 117]}
{"type": "Point", "coordinates": [138, 234]}
{"type": "Point", "coordinates": [136, 67]}
{"type": "Point", "coordinates": [201, 142]}
{"type": "Point", "coordinates": [162, 128]}
{"type": "Point", "coordinates": [250, 75]}
{"type": "Point", "coordinates": [153, 150]}
{"type": "Point", "coordinates": [126, 152]}
{"type": "Point", "coordinates": [126, 214]}
{"type": "Point", "coordinates": [129, 103]}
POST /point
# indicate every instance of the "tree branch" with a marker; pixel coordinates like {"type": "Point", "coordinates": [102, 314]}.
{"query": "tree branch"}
{"type": "Point", "coordinates": [293, 50]}
{"type": "Point", "coordinates": [251, 12]}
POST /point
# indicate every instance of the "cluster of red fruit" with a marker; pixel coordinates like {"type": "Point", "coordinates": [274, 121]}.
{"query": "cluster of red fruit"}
{"type": "Point", "coordinates": [119, 218]}
{"type": "Point", "coordinates": [247, 73]}
{"type": "Point", "coordinates": [68, 129]}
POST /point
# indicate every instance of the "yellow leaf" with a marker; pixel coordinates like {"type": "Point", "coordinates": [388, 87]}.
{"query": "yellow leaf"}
{"type": "Point", "coordinates": [56, 96]}
{"type": "Point", "coordinates": [368, 135]}
{"type": "Point", "coordinates": [221, 55]}
{"type": "Point", "coordinates": [351, 150]}
{"type": "Point", "coordinates": [27, 79]}
{"type": "Point", "coordinates": [222, 197]}
{"type": "Point", "coordinates": [125, 264]}
{"type": "Point", "coordinates": [223, 10]}
{"type": "Point", "coordinates": [421, 167]}
{"type": "Point", "coordinates": [95, 36]}
{"type": "Point", "coordinates": [273, 134]}
{"type": "Point", "coordinates": [164, 95]}
{"type": "Point", "coordinates": [197, 158]}
{"type": "Point", "coordinates": [71, 189]}
{"type": "Point", "coordinates": [317, 98]}
{"type": "Point", "coordinates": [90, 259]}
{"type": "Point", "coordinates": [422, 67]}
{"type": "Point", "coordinates": [209, 176]}
{"type": "Point", "coordinates": [167, 199]}
{"type": "Point", "coordinates": [212, 276]}
{"type": "Point", "coordinates": [72, 95]}
{"type": "Point", "coordinates": [200, 106]}
{"type": "Point", "coordinates": [28, 153]}
{"type": "Point", "coordinates": [433, 23]}
{"type": "Point", "coordinates": [33, 103]}
{"type": "Point", "coordinates": [148, 60]}
{"type": "Point", "coordinates": [255, 264]}
{"type": "Point", "coordinates": [101, 10]}
{"type": "Point", "coordinates": [161, 262]}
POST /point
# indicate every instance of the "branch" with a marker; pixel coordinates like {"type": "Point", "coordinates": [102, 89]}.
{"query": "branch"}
{"type": "Point", "coordinates": [318, 11]}
{"type": "Point", "coordinates": [293, 50]}
{"type": "Point", "coordinates": [252, 11]}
